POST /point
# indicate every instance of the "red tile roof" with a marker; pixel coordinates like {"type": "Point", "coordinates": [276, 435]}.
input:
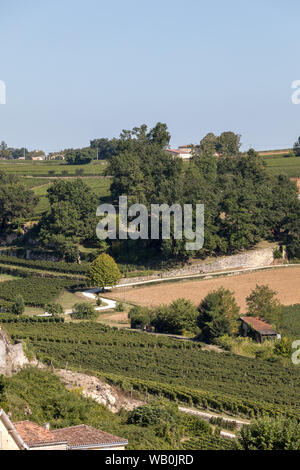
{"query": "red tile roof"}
{"type": "Point", "coordinates": [259, 325]}
{"type": "Point", "coordinates": [35, 435]}
{"type": "Point", "coordinates": [83, 435]}
{"type": "Point", "coordinates": [187, 151]}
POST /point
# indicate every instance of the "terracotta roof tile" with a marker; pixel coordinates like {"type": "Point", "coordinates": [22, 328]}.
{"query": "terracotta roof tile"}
{"type": "Point", "coordinates": [83, 435]}
{"type": "Point", "coordinates": [34, 435]}
{"type": "Point", "coordinates": [258, 324]}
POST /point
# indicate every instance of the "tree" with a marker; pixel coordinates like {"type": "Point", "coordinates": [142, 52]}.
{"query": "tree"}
{"type": "Point", "coordinates": [262, 303]}
{"type": "Point", "coordinates": [18, 306]}
{"type": "Point", "coordinates": [83, 311]}
{"type": "Point", "coordinates": [159, 135]}
{"type": "Point", "coordinates": [218, 314]}
{"type": "Point", "coordinates": [106, 148]}
{"type": "Point", "coordinates": [140, 317]}
{"type": "Point", "coordinates": [71, 218]}
{"type": "Point", "coordinates": [80, 156]}
{"type": "Point", "coordinates": [16, 201]}
{"type": "Point", "coordinates": [270, 434]}
{"type": "Point", "coordinates": [296, 147]}
{"type": "Point", "coordinates": [104, 272]}
{"type": "Point", "coordinates": [54, 309]}
{"type": "Point", "coordinates": [178, 318]}
{"type": "Point", "coordinates": [229, 144]}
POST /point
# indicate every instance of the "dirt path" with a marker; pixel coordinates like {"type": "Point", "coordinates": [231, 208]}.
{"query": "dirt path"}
{"type": "Point", "coordinates": [285, 281]}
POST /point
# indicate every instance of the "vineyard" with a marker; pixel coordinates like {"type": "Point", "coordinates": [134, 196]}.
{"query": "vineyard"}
{"type": "Point", "coordinates": [179, 370]}
{"type": "Point", "coordinates": [58, 266]}
{"type": "Point", "coordinates": [35, 292]}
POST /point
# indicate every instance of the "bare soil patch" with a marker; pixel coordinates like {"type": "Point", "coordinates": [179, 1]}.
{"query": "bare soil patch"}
{"type": "Point", "coordinates": [285, 281]}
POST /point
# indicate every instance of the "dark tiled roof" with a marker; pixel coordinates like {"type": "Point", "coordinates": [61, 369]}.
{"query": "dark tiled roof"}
{"type": "Point", "coordinates": [259, 325]}
{"type": "Point", "coordinates": [34, 435]}
{"type": "Point", "coordinates": [83, 435]}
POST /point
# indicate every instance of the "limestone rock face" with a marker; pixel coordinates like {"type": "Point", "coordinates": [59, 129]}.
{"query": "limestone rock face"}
{"type": "Point", "coordinates": [104, 394]}
{"type": "Point", "coordinates": [12, 357]}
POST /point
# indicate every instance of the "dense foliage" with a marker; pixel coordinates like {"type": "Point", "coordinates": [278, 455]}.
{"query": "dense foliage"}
{"type": "Point", "coordinates": [104, 271]}
{"type": "Point", "coordinates": [79, 156]}
{"type": "Point", "coordinates": [71, 218]}
{"type": "Point", "coordinates": [180, 317]}
{"type": "Point", "coordinates": [218, 314]}
{"type": "Point", "coordinates": [271, 434]}
{"type": "Point", "coordinates": [262, 302]}
{"type": "Point", "coordinates": [16, 201]}
{"type": "Point", "coordinates": [83, 311]}
{"type": "Point", "coordinates": [243, 204]}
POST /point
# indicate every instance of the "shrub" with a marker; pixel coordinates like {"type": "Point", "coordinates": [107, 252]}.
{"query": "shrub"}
{"type": "Point", "coordinates": [140, 317]}
{"type": "Point", "coordinates": [271, 434]}
{"type": "Point", "coordinates": [177, 318]}
{"type": "Point", "coordinates": [83, 311]}
{"type": "Point", "coordinates": [120, 307]}
{"type": "Point", "coordinates": [18, 306]}
{"type": "Point", "coordinates": [54, 309]}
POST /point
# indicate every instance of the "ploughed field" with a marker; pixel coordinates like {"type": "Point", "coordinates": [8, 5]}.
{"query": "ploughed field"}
{"type": "Point", "coordinates": [285, 281]}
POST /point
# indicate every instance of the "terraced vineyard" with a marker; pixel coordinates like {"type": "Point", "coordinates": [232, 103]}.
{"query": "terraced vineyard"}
{"type": "Point", "coordinates": [179, 370]}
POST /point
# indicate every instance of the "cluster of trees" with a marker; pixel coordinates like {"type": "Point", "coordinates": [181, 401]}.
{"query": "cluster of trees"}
{"type": "Point", "coordinates": [71, 218]}
{"type": "Point", "coordinates": [216, 316]}
{"type": "Point", "coordinates": [16, 201]}
{"type": "Point", "coordinates": [243, 204]}
{"type": "Point", "coordinates": [11, 153]}
{"type": "Point", "coordinates": [180, 317]}
{"type": "Point", "coordinates": [79, 156]}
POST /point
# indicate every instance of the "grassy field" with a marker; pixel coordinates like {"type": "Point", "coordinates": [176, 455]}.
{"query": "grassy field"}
{"type": "Point", "coordinates": [48, 168]}
{"type": "Point", "coordinates": [100, 186]}
{"type": "Point", "coordinates": [289, 166]}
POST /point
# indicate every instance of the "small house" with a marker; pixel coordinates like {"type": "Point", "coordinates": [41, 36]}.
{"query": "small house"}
{"type": "Point", "coordinates": [26, 435]}
{"type": "Point", "coordinates": [258, 329]}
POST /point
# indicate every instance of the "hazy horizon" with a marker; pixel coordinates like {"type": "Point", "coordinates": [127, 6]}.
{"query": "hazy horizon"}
{"type": "Point", "coordinates": [75, 70]}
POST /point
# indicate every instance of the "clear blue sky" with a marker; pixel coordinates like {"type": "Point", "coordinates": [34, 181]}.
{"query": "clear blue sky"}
{"type": "Point", "coordinates": [81, 69]}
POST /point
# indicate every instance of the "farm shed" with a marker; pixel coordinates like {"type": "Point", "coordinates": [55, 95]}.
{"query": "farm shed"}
{"type": "Point", "coordinates": [258, 329]}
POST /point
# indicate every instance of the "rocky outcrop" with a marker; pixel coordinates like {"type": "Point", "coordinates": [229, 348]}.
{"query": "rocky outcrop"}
{"type": "Point", "coordinates": [12, 357]}
{"type": "Point", "coordinates": [104, 394]}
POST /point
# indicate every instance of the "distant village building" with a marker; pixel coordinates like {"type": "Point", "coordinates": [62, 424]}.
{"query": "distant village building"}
{"type": "Point", "coordinates": [184, 152]}
{"type": "Point", "coordinates": [26, 435]}
{"type": "Point", "coordinates": [258, 329]}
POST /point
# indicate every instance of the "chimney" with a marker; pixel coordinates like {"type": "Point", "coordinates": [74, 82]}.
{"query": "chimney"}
{"type": "Point", "coordinates": [46, 426]}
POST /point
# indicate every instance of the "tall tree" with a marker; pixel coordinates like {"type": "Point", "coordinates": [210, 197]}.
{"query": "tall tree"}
{"type": "Point", "coordinates": [104, 272]}
{"type": "Point", "coordinates": [218, 314]}
{"type": "Point", "coordinates": [16, 201]}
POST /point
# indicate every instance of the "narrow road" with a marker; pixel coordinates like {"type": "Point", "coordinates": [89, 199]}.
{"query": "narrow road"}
{"type": "Point", "coordinates": [207, 416]}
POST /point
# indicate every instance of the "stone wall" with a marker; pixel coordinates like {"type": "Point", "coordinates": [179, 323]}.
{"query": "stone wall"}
{"type": "Point", "coordinates": [248, 259]}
